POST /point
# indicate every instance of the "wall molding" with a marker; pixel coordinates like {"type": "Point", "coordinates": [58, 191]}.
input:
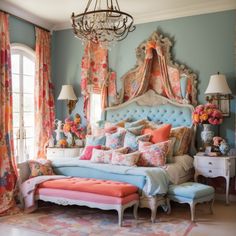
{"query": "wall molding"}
{"type": "Point", "coordinates": [197, 9]}
{"type": "Point", "coordinates": [28, 16]}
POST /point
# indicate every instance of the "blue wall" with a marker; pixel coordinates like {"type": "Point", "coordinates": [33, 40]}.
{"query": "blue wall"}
{"type": "Point", "coordinates": [21, 32]}
{"type": "Point", "coordinates": [205, 43]}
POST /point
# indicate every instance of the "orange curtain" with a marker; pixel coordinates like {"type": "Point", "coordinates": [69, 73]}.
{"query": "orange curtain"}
{"type": "Point", "coordinates": [44, 100]}
{"type": "Point", "coordinates": [7, 159]}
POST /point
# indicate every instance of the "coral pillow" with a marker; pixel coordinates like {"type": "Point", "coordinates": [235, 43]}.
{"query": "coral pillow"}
{"type": "Point", "coordinates": [160, 134]}
{"type": "Point", "coordinates": [153, 154]}
{"type": "Point", "coordinates": [104, 156]}
{"type": "Point", "coordinates": [129, 159]}
{"type": "Point", "coordinates": [40, 167]}
{"type": "Point", "coordinates": [87, 153]}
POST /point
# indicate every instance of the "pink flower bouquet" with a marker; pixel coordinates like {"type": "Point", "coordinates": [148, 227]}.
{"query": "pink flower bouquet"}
{"type": "Point", "coordinates": [207, 114]}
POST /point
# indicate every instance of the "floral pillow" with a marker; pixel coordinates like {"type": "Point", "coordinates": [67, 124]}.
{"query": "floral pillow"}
{"type": "Point", "coordinates": [183, 137]}
{"type": "Point", "coordinates": [130, 159]}
{"type": "Point", "coordinates": [136, 130]}
{"type": "Point", "coordinates": [131, 140]}
{"type": "Point", "coordinates": [87, 153]}
{"type": "Point", "coordinates": [115, 140]}
{"type": "Point", "coordinates": [104, 156]}
{"type": "Point", "coordinates": [153, 154]}
{"type": "Point", "coordinates": [40, 167]}
{"type": "Point", "coordinates": [94, 141]}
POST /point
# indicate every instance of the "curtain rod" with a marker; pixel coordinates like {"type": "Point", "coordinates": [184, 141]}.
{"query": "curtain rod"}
{"type": "Point", "coordinates": [20, 18]}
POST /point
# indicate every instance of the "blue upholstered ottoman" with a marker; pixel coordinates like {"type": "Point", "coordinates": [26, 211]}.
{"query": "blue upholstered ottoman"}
{"type": "Point", "coordinates": [192, 193]}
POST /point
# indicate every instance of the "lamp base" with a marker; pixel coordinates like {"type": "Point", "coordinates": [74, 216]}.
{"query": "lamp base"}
{"type": "Point", "coordinates": [71, 105]}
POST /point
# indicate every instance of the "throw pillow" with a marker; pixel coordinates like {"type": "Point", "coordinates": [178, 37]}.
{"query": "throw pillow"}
{"type": "Point", "coordinates": [183, 137]}
{"type": "Point", "coordinates": [160, 134]}
{"type": "Point", "coordinates": [136, 130]}
{"type": "Point", "coordinates": [153, 154]}
{"type": "Point", "coordinates": [94, 141]}
{"type": "Point", "coordinates": [115, 140]}
{"type": "Point", "coordinates": [170, 152]}
{"type": "Point", "coordinates": [104, 156]}
{"type": "Point", "coordinates": [87, 153]}
{"type": "Point", "coordinates": [131, 140]}
{"type": "Point", "coordinates": [135, 123]}
{"type": "Point", "coordinates": [40, 167]}
{"type": "Point", "coordinates": [129, 159]}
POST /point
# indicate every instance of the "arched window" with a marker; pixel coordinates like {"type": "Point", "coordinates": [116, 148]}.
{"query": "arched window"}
{"type": "Point", "coordinates": [23, 77]}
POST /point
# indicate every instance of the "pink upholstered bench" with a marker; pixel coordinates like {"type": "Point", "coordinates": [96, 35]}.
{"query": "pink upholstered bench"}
{"type": "Point", "coordinates": [102, 194]}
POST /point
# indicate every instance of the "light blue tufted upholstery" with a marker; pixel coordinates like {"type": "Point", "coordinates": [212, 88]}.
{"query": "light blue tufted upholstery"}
{"type": "Point", "coordinates": [168, 113]}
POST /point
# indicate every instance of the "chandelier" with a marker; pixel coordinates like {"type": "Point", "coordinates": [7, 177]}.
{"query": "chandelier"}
{"type": "Point", "coordinates": [102, 22]}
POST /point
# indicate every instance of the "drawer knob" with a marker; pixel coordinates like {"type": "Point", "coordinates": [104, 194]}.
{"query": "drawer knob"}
{"type": "Point", "coordinates": [210, 163]}
{"type": "Point", "coordinates": [210, 171]}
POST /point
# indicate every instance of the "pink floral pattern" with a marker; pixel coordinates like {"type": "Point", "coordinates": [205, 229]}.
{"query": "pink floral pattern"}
{"type": "Point", "coordinates": [129, 159]}
{"type": "Point", "coordinates": [105, 156]}
{"type": "Point", "coordinates": [154, 72]}
{"type": "Point", "coordinates": [7, 161]}
{"type": "Point", "coordinates": [153, 154]}
{"type": "Point", "coordinates": [96, 77]}
{"type": "Point", "coordinates": [44, 99]}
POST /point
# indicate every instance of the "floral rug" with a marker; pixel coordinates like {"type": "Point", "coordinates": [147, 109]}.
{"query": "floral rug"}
{"type": "Point", "coordinates": [83, 221]}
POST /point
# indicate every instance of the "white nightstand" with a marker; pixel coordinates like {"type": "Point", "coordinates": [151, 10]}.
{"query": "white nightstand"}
{"type": "Point", "coordinates": [212, 167]}
{"type": "Point", "coordinates": [53, 153]}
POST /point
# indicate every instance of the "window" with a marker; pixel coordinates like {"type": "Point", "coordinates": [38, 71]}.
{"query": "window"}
{"type": "Point", "coordinates": [95, 108]}
{"type": "Point", "coordinates": [23, 73]}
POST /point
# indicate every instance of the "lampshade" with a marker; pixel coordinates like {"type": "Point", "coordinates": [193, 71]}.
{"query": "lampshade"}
{"type": "Point", "coordinates": [218, 85]}
{"type": "Point", "coordinates": [67, 93]}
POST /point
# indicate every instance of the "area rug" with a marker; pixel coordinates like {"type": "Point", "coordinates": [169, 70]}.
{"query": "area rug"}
{"type": "Point", "coordinates": [83, 221]}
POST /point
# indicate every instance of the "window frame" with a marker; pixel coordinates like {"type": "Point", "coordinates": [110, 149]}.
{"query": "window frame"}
{"type": "Point", "coordinates": [93, 121]}
{"type": "Point", "coordinates": [23, 51]}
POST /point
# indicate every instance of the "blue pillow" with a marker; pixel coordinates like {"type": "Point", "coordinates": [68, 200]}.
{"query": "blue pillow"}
{"type": "Point", "coordinates": [95, 141]}
{"type": "Point", "coordinates": [131, 140]}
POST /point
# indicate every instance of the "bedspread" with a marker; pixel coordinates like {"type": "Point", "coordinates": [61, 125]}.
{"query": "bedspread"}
{"type": "Point", "coordinates": [157, 180]}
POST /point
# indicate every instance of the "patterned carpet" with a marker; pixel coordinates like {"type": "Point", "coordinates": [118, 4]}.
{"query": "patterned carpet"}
{"type": "Point", "coordinates": [83, 221]}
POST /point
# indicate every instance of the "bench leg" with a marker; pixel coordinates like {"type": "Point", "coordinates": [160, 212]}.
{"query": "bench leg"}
{"type": "Point", "coordinates": [168, 205]}
{"type": "Point", "coordinates": [211, 205]}
{"type": "Point", "coordinates": [120, 215]}
{"type": "Point", "coordinates": [136, 211]}
{"type": "Point", "coordinates": [192, 209]}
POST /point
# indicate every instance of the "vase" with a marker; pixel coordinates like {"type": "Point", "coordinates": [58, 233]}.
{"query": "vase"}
{"type": "Point", "coordinates": [224, 148]}
{"type": "Point", "coordinates": [207, 135]}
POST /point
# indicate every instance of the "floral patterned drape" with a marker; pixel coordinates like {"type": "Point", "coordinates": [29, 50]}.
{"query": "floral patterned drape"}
{"type": "Point", "coordinates": [96, 77]}
{"type": "Point", "coordinates": [156, 70]}
{"type": "Point", "coordinates": [7, 159]}
{"type": "Point", "coordinates": [153, 73]}
{"type": "Point", "coordinates": [44, 100]}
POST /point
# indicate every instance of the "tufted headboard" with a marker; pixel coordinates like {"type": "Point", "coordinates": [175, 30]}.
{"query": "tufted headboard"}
{"type": "Point", "coordinates": [155, 108]}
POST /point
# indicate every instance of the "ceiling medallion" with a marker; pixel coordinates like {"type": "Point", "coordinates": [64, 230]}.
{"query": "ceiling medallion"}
{"type": "Point", "coordinates": [102, 22]}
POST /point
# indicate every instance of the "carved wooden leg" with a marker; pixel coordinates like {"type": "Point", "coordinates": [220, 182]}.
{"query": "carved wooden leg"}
{"type": "Point", "coordinates": [227, 189]}
{"type": "Point", "coordinates": [168, 206]}
{"type": "Point", "coordinates": [136, 210]}
{"type": "Point", "coordinates": [153, 214]}
{"type": "Point", "coordinates": [211, 205]}
{"type": "Point", "coordinates": [120, 216]}
{"type": "Point", "coordinates": [192, 208]}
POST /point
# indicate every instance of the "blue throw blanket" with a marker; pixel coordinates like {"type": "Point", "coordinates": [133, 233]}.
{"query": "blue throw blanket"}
{"type": "Point", "coordinates": [157, 180]}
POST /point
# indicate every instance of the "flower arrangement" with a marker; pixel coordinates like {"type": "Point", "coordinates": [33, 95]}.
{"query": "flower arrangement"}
{"type": "Point", "coordinates": [207, 114]}
{"type": "Point", "coordinates": [73, 129]}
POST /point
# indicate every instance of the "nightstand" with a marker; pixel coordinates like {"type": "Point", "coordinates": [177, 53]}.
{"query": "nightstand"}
{"type": "Point", "coordinates": [53, 153]}
{"type": "Point", "coordinates": [212, 167]}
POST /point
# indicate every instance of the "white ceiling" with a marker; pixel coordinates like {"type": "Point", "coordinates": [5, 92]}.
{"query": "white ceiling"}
{"type": "Point", "coordinates": [55, 14]}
